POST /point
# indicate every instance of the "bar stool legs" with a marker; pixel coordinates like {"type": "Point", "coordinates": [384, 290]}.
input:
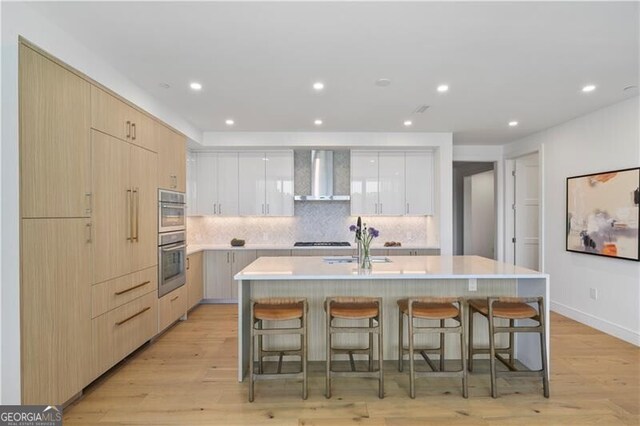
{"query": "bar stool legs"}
{"type": "Point", "coordinates": [433, 309]}
{"type": "Point", "coordinates": [277, 309]}
{"type": "Point", "coordinates": [355, 308]}
{"type": "Point", "coordinates": [511, 308]}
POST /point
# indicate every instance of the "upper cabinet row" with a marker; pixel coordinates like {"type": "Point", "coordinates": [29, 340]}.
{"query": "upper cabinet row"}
{"type": "Point", "coordinates": [242, 184]}
{"type": "Point", "coordinates": [392, 183]}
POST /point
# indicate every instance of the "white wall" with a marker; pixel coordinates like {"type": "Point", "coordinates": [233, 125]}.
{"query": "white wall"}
{"type": "Point", "coordinates": [607, 139]}
{"type": "Point", "coordinates": [21, 19]}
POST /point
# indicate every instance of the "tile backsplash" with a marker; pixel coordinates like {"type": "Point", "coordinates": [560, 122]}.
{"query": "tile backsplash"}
{"type": "Point", "coordinates": [313, 221]}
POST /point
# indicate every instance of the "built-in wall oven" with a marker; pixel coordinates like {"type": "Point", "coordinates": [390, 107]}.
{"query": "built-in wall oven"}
{"type": "Point", "coordinates": [172, 241]}
{"type": "Point", "coordinates": [171, 211]}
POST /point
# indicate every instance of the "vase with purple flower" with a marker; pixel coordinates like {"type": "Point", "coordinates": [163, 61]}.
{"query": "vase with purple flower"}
{"type": "Point", "coordinates": [364, 236]}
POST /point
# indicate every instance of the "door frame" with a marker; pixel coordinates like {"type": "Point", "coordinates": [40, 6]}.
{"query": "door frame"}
{"type": "Point", "coordinates": [509, 200]}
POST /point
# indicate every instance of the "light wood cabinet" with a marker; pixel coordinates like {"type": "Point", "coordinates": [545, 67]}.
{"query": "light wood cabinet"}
{"type": "Point", "coordinates": [120, 331]}
{"type": "Point", "coordinates": [55, 176]}
{"type": "Point", "coordinates": [125, 206]}
{"type": "Point", "coordinates": [195, 283]}
{"type": "Point", "coordinates": [266, 183]}
{"type": "Point", "coordinates": [172, 160]}
{"type": "Point", "coordinates": [55, 296]}
{"type": "Point", "coordinates": [217, 184]}
{"type": "Point", "coordinates": [172, 306]}
{"type": "Point", "coordinates": [221, 267]}
{"type": "Point", "coordinates": [114, 293]}
{"type": "Point", "coordinates": [114, 117]}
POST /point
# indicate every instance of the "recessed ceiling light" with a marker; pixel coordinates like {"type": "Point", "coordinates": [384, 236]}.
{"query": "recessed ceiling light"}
{"type": "Point", "coordinates": [513, 123]}
{"type": "Point", "coordinates": [164, 85]}
{"type": "Point", "coordinates": [383, 82]}
{"type": "Point", "coordinates": [589, 88]}
{"type": "Point", "coordinates": [318, 86]}
{"type": "Point", "coordinates": [195, 86]}
{"type": "Point", "coordinates": [443, 88]}
{"type": "Point", "coordinates": [229, 122]}
{"type": "Point", "coordinates": [407, 123]}
{"type": "Point", "coordinates": [318, 122]}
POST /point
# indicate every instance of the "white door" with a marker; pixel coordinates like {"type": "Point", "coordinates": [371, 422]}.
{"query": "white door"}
{"type": "Point", "coordinates": [527, 211]}
{"type": "Point", "coordinates": [364, 183]}
{"type": "Point", "coordinates": [206, 183]}
{"type": "Point", "coordinates": [419, 183]}
{"type": "Point", "coordinates": [391, 200]}
{"type": "Point", "coordinates": [279, 183]}
{"type": "Point", "coordinates": [251, 183]}
{"type": "Point", "coordinates": [227, 180]}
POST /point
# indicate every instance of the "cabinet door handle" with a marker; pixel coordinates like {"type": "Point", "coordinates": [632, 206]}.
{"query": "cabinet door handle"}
{"type": "Point", "coordinates": [128, 129]}
{"type": "Point", "coordinates": [133, 316]}
{"type": "Point", "coordinates": [133, 133]}
{"type": "Point", "coordinates": [233, 256]}
{"type": "Point", "coordinates": [267, 208]}
{"type": "Point", "coordinates": [136, 198]}
{"type": "Point", "coordinates": [88, 228]}
{"type": "Point", "coordinates": [227, 257]}
{"type": "Point", "coordinates": [174, 299]}
{"type": "Point", "coordinates": [219, 208]}
{"type": "Point", "coordinates": [89, 199]}
{"type": "Point", "coordinates": [214, 209]}
{"type": "Point", "coordinates": [129, 216]}
{"type": "Point", "coordinates": [187, 263]}
{"type": "Point", "coordinates": [407, 208]}
{"type": "Point", "coordinates": [118, 293]}
{"type": "Point", "coordinates": [263, 209]}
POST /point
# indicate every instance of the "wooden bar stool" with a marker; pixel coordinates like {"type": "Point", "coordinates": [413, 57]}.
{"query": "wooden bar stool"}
{"type": "Point", "coordinates": [431, 308]}
{"type": "Point", "coordinates": [355, 308]}
{"type": "Point", "coordinates": [277, 309]}
{"type": "Point", "coordinates": [511, 308]}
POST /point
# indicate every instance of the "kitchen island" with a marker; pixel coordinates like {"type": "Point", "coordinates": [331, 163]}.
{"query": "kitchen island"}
{"type": "Point", "coordinates": [396, 278]}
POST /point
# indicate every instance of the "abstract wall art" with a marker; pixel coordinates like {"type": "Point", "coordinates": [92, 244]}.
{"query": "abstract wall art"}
{"type": "Point", "coordinates": [603, 214]}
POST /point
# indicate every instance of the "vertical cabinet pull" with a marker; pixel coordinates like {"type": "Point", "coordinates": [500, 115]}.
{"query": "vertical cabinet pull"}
{"type": "Point", "coordinates": [234, 256]}
{"type": "Point", "coordinates": [267, 208]}
{"type": "Point", "coordinates": [214, 209]}
{"type": "Point", "coordinates": [227, 257]}
{"type": "Point", "coordinates": [188, 263]}
{"type": "Point", "coordinates": [129, 216]}
{"type": "Point", "coordinates": [219, 208]}
{"type": "Point", "coordinates": [88, 228]}
{"type": "Point", "coordinates": [136, 216]}
{"type": "Point", "coordinates": [263, 209]}
{"type": "Point", "coordinates": [133, 128]}
{"type": "Point", "coordinates": [407, 208]}
{"type": "Point", "coordinates": [89, 198]}
{"type": "Point", "coordinates": [128, 129]}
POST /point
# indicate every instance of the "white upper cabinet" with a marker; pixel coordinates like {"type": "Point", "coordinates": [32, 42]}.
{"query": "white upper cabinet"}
{"type": "Point", "coordinates": [419, 183]}
{"type": "Point", "coordinates": [389, 183]}
{"type": "Point", "coordinates": [364, 183]}
{"type": "Point", "coordinates": [266, 183]}
{"type": "Point", "coordinates": [216, 184]}
{"type": "Point", "coordinates": [279, 183]}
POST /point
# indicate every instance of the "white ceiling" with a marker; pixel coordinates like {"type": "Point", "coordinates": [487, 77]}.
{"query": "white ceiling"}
{"type": "Point", "coordinates": [257, 61]}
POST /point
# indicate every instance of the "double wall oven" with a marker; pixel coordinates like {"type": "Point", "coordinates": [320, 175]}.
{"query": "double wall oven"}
{"type": "Point", "coordinates": [172, 241]}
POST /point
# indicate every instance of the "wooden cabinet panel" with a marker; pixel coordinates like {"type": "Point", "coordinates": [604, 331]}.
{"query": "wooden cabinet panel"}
{"type": "Point", "coordinates": [172, 160]}
{"type": "Point", "coordinates": [110, 115]}
{"type": "Point", "coordinates": [121, 331]}
{"type": "Point", "coordinates": [195, 284]}
{"type": "Point", "coordinates": [55, 295]}
{"type": "Point", "coordinates": [112, 203]}
{"type": "Point", "coordinates": [171, 307]}
{"type": "Point", "coordinates": [114, 293]}
{"type": "Point", "coordinates": [145, 206]}
{"type": "Point", "coordinates": [143, 131]}
{"type": "Point", "coordinates": [55, 179]}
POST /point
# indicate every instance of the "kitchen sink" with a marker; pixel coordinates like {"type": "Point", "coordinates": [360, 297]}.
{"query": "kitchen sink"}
{"type": "Point", "coordinates": [353, 259]}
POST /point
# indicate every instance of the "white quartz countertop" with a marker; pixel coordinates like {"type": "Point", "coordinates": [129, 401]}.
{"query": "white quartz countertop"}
{"type": "Point", "coordinates": [400, 267]}
{"type": "Point", "coordinates": [194, 248]}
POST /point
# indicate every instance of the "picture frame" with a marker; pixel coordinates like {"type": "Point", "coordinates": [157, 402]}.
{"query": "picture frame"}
{"type": "Point", "coordinates": [603, 214]}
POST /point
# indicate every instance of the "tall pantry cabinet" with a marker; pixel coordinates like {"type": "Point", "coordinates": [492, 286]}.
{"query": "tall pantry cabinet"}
{"type": "Point", "coordinates": [89, 174]}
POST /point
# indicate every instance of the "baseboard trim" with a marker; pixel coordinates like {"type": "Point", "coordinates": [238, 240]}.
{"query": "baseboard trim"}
{"type": "Point", "coordinates": [599, 324]}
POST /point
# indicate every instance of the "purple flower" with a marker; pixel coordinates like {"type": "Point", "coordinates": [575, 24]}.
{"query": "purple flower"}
{"type": "Point", "coordinates": [374, 232]}
{"type": "Point", "coordinates": [353, 228]}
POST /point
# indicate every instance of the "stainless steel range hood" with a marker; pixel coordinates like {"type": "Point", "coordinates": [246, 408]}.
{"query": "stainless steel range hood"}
{"type": "Point", "coordinates": [321, 179]}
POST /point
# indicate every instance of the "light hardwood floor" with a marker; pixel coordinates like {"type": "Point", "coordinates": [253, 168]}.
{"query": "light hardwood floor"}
{"type": "Point", "coordinates": [188, 376]}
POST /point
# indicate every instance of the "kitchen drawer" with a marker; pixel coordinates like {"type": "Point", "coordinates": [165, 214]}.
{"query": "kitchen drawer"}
{"type": "Point", "coordinates": [113, 293]}
{"type": "Point", "coordinates": [171, 307]}
{"type": "Point", "coordinates": [120, 331]}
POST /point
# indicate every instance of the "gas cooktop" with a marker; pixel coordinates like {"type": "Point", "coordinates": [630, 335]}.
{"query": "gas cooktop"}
{"type": "Point", "coordinates": [322, 244]}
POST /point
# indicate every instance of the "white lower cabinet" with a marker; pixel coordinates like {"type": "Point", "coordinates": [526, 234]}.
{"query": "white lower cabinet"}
{"type": "Point", "coordinates": [221, 266]}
